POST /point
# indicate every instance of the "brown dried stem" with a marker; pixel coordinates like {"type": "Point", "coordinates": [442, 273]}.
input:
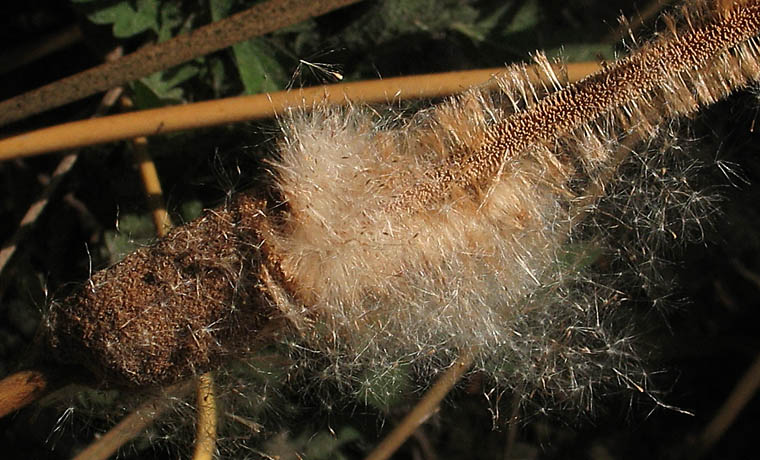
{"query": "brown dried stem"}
{"type": "Point", "coordinates": [22, 388]}
{"type": "Point", "coordinates": [744, 391]}
{"type": "Point", "coordinates": [28, 53]}
{"type": "Point", "coordinates": [64, 166]}
{"type": "Point", "coordinates": [258, 20]}
{"type": "Point", "coordinates": [133, 424]}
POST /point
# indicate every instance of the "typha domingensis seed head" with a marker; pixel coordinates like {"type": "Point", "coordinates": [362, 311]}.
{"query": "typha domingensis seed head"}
{"type": "Point", "coordinates": [405, 241]}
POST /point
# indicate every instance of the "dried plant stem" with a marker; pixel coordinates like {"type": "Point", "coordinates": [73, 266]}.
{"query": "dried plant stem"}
{"type": "Point", "coordinates": [424, 408]}
{"type": "Point", "coordinates": [26, 54]}
{"type": "Point", "coordinates": [22, 388]}
{"type": "Point", "coordinates": [35, 210]}
{"type": "Point", "coordinates": [230, 110]}
{"type": "Point", "coordinates": [133, 424]}
{"type": "Point", "coordinates": [205, 437]}
{"type": "Point", "coordinates": [64, 166]}
{"type": "Point", "coordinates": [25, 387]}
{"type": "Point", "coordinates": [152, 187]}
{"type": "Point", "coordinates": [150, 181]}
{"type": "Point", "coordinates": [258, 20]}
{"type": "Point", "coordinates": [744, 391]}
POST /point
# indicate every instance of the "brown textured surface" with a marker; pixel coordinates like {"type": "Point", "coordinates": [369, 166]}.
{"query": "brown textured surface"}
{"type": "Point", "coordinates": [172, 309]}
{"type": "Point", "coordinates": [656, 67]}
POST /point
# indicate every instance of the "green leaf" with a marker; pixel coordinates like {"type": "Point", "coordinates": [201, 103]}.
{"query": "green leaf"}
{"type": "Point", "coordinates": [128, 21]}
{"type": "Point", "coordinates": [189, 210]}
{"type": "Point", "coordinates": [479, 30]}
{"type": "Point", "coordinates": [217, 75]}
{"type": "Point", "coordinates": [171, 18]}
{"type": "Point", "coordinates": [220, 9]}
{"type": "Point", "coordinates": [134, 231]}
{"type": "Point", "coordinates": [580, 256]}
{"type": "Point", "coordinates": [162, 88]}
{"type": "Point", "coordinates": [259, 70]}
{"type": "Point", "coordinates": [144, 97]}
{"type": "Point", "coordinates": [385, 389]}
{"type": "Point", "coordinates": [526, 18]}
{"type": "Point", "coordinates": [325, 445]}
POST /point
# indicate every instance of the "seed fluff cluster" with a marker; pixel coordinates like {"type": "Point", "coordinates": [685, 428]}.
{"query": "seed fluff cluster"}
{"type": "Point", "coordinates": [398, 242]}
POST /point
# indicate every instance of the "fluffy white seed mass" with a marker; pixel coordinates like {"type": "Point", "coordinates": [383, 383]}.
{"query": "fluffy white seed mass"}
{"type": "Point", "coordinates": [476, 226]}
{"type": "Point", "coordinates": [486, 268]}
{"type": "Point", "coordinates": [471, 225]}
{"type": "Point", "coordinates": [448, 274]}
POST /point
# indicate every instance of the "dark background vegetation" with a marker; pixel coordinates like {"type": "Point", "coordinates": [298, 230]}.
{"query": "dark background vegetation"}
{"type": "Point", "coordinates": [704, 343]}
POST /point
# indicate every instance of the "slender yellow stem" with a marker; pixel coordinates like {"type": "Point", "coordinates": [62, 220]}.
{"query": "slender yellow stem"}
{"type": "Point", "coordinates": [152, 186]}
{"type": "Point", "coordinates": [258, 106]}
{"type": "Point", "coordinates": [144, 416]}
{"type": "Point", "coordinates": [205, 440]}
{"type": "Point", "coordinates": [205, 437]}
{"type": "Point", "coordinates": [424, 408]}
{"type": "Point", "coordinates": [150, 181]}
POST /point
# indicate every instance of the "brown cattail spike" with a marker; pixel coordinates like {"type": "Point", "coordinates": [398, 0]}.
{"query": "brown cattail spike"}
{"type": "Point", "coordinates": [399, 242]}
{"type": "Point", "coordinates": [167, 311]}
{"type": "Point", "coordinates": [677, 73]}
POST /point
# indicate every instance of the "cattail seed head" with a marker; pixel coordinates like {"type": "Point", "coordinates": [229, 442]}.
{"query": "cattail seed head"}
{"type": "Point", "coordinates": [172, 309]}
{"type": "Point", "coordinates": [398, 243]}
